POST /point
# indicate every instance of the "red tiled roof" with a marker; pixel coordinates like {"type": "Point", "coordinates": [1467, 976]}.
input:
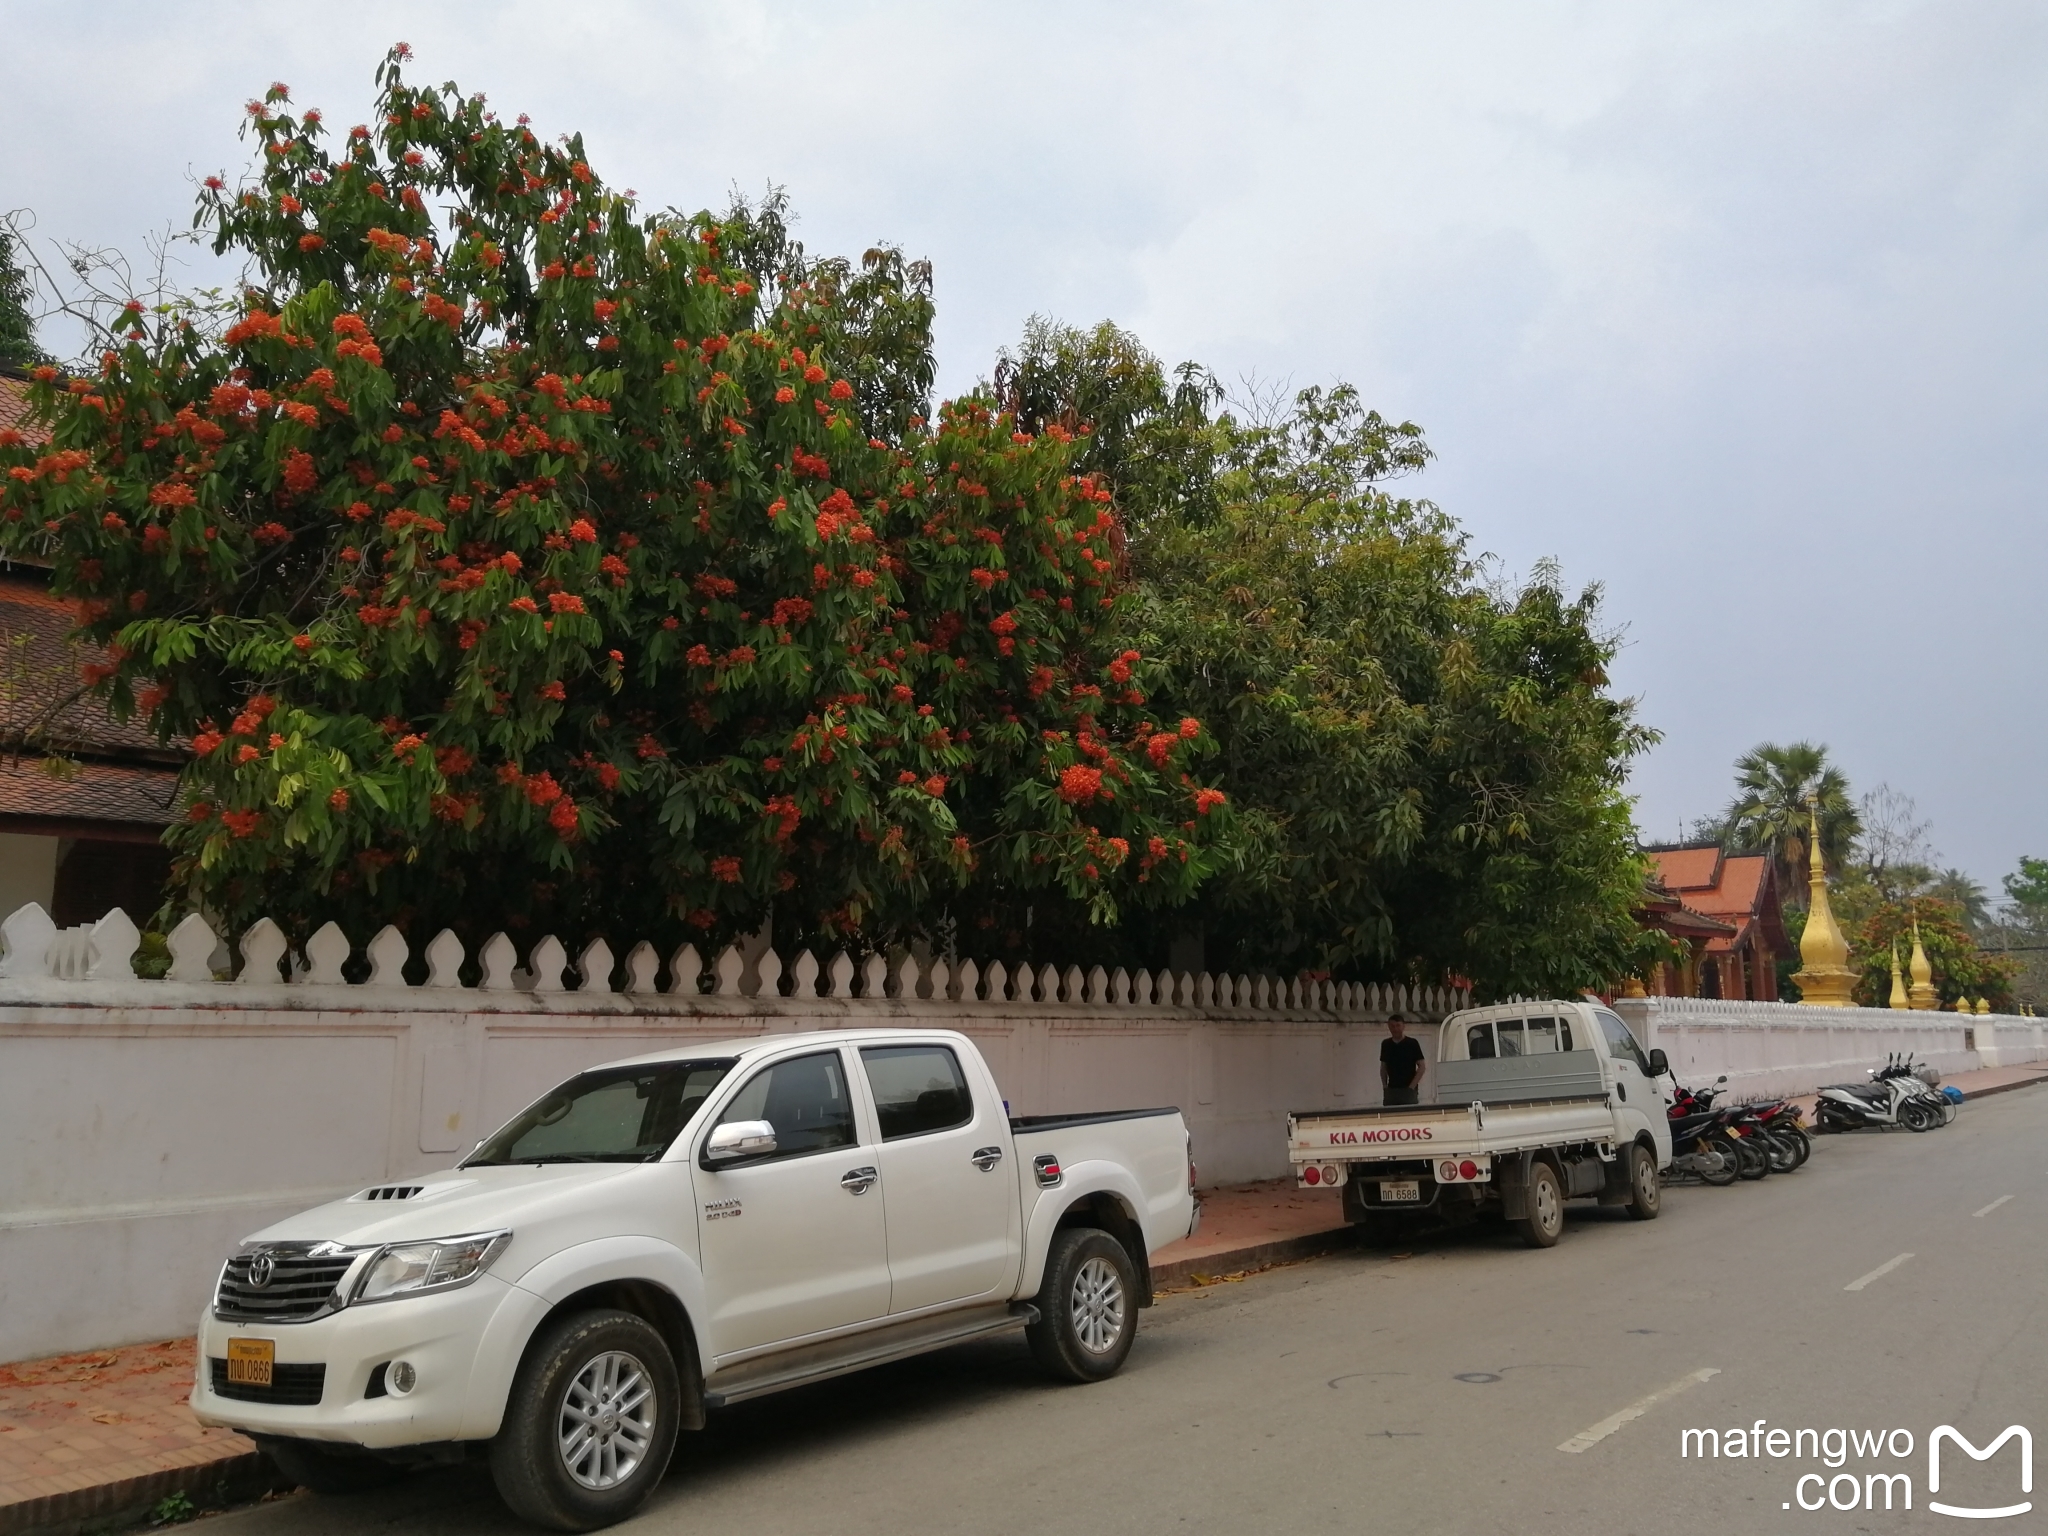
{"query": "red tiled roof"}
{"type": "Point", "coordinates": [1687, 869]}
{"type": "Point", "coordinates": [39, 667]}
{"type": "Point", "coordinates": [1739, 889]}
{"type": "Point", "coordinates": [14, 409]}
{"type": "Point", "coordinates": [111, 792]}
{"type": "Point", "coordinates": [1664, 910]}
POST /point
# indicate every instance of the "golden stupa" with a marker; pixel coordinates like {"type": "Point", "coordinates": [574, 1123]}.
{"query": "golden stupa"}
{"type": "Point", "coordinates": [1925, 997]}
{"type": "Point", "coordinates": [1825, 980]}
{"type": "Point", "coordinates": [1900, 997]}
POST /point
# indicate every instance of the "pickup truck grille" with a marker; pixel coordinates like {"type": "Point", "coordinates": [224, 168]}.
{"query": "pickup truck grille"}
{"type": "Point", "coordinates": [291, 1386]}
{"type": "Point", "coordinates": [299, 1287]}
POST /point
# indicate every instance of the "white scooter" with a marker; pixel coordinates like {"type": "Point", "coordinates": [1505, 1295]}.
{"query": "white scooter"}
{"type": "Point", "coordinates": [1898, 1094]}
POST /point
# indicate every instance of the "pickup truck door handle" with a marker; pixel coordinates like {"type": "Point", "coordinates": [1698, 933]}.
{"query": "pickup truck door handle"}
{"type": "Point", "coordinates": [856, 1181]}
{"type": "Point", "coordinates": [985, 1158]}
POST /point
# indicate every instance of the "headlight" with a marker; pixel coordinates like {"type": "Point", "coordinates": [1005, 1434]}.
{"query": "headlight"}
{"type": "Point", "coordinates": [413, 1269]}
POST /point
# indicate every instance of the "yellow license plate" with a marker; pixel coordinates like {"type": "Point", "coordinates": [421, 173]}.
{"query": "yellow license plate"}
{"type": "Point", "coordinates": [250, 1361]}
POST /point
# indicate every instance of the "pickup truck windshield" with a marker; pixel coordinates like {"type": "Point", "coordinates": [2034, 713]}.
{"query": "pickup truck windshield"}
{"type": "Point", "coordinates": [616, 1115]}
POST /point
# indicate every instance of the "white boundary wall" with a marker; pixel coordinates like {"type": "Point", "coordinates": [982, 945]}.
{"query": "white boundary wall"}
{"type": "Point", "coordinates": [1783, 1049]}
{"type": "Point", "coordinates": [147, 1126]}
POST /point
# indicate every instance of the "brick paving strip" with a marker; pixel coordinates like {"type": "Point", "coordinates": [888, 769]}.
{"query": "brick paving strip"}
{"type": "Point", "coordinates": [92, 1440]}
{"type": "Point", "coordinates": [99, 1438]}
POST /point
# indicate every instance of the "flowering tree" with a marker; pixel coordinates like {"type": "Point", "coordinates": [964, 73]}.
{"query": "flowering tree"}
{"type": "Point", "coordinates": [1427, 762]}
{"type": "Point", "coordinates": [547, 565]}
{"type": "Point", "coordinates": [1961, 968]}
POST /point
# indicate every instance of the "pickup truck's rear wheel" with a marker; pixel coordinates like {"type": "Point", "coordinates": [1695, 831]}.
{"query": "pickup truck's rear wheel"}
{"type": "Point", "coordinates": [1544, 1222]}
{"type": "Point", "coordinates": [590, 1424]}
{"type": "Point", "coordinates": [1645, 1191]}
{"type": "Point", "coordinates": [1087, 1306]}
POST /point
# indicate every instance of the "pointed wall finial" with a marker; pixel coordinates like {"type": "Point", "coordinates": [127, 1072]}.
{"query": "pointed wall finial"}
{"type": "Point", "coordinates": [1825, 979]}
{"type": "Point", "coordinates": [1924, 995]}
{"type": "Point", "coordinates": [1900, 997]}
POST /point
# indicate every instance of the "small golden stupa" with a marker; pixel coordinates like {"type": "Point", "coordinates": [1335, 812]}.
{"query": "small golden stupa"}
{"type": "Point", "coordinates": [1983, 1005]}
{"type": "Point", "coordinates": [1825, 980]}
{"type": "Point", "coordinates": [1925, 997]}
{"type": "Point", "coordinates": [1900, 997]}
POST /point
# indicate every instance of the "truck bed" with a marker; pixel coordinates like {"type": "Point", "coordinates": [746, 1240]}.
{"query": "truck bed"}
{"type": "Point", "coordinates": [1446, 1130]}
{"type": "Point", "coordinates": [1152, 1144]}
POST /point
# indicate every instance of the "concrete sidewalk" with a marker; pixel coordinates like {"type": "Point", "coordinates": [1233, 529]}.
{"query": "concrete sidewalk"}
{"type": "Point", "coordinates": [93, 1440]}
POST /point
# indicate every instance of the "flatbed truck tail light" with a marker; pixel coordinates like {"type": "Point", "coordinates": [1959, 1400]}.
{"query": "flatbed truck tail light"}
{"type": "Point", "coordinates": [1322, 1175]}
{"type": "Point", "coordinates": [1451, 1170]}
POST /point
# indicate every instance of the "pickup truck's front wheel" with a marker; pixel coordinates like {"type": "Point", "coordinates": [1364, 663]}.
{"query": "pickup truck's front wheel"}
{"type": "Point", "coordinates": [590, 1424]}
{"type": "Point", "coordinates": [1087, 1306]}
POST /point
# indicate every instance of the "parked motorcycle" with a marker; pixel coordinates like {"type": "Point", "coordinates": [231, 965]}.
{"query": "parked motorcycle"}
{"type": "Point", "coordinates": [1719, 1145]}
{"type": "Point", "coordinates": [1765, 1138]}
{"type": "Point", "coordinates": [1899, 1093]}
{"type": "Point", "coordinates": [1701, 1143]}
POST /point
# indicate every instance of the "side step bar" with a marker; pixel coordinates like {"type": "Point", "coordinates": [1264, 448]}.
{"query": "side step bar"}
{"type": "Point", "coordinates": [841, 1357]}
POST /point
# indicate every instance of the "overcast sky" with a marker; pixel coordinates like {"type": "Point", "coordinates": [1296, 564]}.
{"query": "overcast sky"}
{"type": "Point", "coordinates": [1735, 309]}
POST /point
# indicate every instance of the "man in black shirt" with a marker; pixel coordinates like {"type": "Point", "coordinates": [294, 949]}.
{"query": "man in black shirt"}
{"type": "Point", "coordinates": [1400, 1063]}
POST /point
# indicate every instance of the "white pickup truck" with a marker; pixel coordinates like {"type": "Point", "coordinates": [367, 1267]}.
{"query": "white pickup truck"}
{"type": "Point", "coordinates": [664, 1235]}
{"type": "Point", "coordinates": [1536, 1103]}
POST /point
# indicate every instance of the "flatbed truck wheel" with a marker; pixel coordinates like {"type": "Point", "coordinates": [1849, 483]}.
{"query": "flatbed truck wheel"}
{"type": "Point", "coordinates": [1544, 1223]}
{"type": "Point", "coordinates": [1645, 1189]}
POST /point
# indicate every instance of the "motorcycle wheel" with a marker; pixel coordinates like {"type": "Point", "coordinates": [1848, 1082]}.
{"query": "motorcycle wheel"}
{"type": "Point", "coordinates": [1718, 1162]}
{"type": "Point", "coordinates": [1913, 1115]}
{"type": "Point", "coordinates": [1754, 1163]}
{"type": "Point", "coordinates": [1801, 1143]}
{"type": "Point", "coordinates": [1783, 1155]}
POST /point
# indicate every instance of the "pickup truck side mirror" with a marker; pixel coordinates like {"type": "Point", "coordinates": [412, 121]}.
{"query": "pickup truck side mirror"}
{"type": "Point", "coordinates": [1659, 1063]}
{"type": "Point", "coordinates": [739, 1138]}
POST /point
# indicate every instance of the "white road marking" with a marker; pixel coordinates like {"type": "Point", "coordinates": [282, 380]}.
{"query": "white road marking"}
{"type": "Point", "coordinates": [1585, 1439]}
{"type": "Point", "coordinates": [1878, 1273]}
{"type": "Point", "coordinates": [1994, 1205]}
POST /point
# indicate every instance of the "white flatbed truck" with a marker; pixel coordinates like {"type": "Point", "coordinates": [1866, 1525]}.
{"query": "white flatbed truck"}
{"type": "Point", "coordinates": [1536, 1103]}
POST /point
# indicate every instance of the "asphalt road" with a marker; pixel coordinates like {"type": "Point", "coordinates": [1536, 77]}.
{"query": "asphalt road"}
{"type": "Point", "coordinates": [1433, 1390]}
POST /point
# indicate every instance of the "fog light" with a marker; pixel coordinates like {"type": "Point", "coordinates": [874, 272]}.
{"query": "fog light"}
{"type": "Point", "coordinates": [401, 1378]}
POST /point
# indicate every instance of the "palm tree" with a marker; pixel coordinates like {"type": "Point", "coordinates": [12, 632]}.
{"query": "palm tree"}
{"type": "Point", "coordinates": [1773, 788]}
{"type": "Point", "coordinates": [1971, 901]}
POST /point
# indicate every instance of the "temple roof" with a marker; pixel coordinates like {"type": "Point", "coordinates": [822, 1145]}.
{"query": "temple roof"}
{"type": "Point", "coordinates": [14, 408]}
{"type": "Point", "coordinates": [1739, 889]}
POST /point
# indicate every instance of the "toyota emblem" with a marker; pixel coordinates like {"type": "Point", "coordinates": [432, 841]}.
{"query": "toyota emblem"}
{"type": "Point", "coordinates": [260, 1270]}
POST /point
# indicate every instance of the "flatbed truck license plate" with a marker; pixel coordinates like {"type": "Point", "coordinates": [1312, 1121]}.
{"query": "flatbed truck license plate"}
{"type": "Point", "coordinates": [251, 1361]}
{"type": "Point", "coordinates": [1393, 1191]}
